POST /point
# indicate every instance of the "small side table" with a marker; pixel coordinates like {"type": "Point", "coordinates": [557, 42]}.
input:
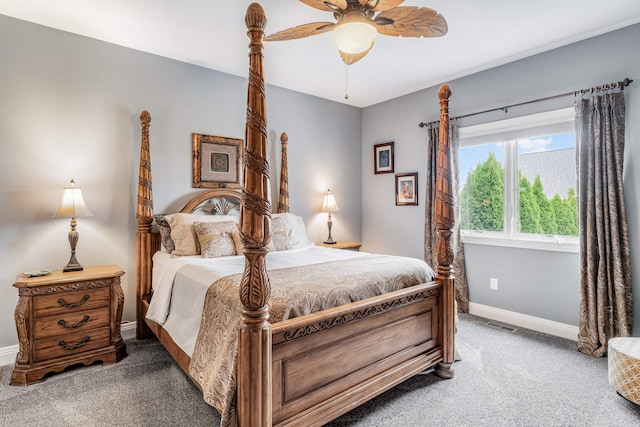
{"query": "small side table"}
{"type": "Point", "coordinates": [65, 319]}
{"type": "Point", "coordinates": [351, 246]}
{"type": "Point", "coordinates": [624, 367]}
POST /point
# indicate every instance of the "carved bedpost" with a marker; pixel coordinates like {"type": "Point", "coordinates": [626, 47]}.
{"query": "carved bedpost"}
{"type": "Point", "coordinates": [144, 217]}
{"type": "Point", "coordinates": [254, 337]}
{"type": "Point", "coordinates": [283, 198]}
{"type": "Point", "coordinates": [444, 218]}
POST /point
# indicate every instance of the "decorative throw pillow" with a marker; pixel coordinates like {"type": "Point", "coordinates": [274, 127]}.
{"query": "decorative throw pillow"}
{"type": "Point", "coordinates": [288, 232]}
{"type": "Point", "coordinates": [271, 245]}
{"type": "Point", "coordinates": [165, 233]}
{"type": "Point", "coordinates": [238, 242]}
{"type": "Point", "coordinates": [216, 238]}
{"type": "Point", "coordinates": [183, 233]}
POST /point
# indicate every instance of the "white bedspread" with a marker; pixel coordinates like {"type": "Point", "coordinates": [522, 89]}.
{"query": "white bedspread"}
{"type": "Point", "coordinates": [180, 285]}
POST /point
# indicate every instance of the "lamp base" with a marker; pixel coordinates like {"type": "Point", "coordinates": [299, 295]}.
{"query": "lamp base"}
{"type": "Point", "coordinates": [73, 264]}
{"type": "Point", "coordinates": [329, 240]}
{"type": "Point", "coordinates": [72, 267]}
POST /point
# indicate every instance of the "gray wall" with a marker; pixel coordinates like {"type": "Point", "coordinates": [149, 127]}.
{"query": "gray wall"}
{"type": "Point", "coordinates": [537, 283]}
{"type": "Point", "coordinates": [69, 108]}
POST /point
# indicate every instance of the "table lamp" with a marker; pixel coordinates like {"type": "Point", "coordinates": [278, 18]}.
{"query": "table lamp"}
{"type": "Point", "coordinates": [72, 206]}
{"type": "Point", "coordinates": [329, 205]}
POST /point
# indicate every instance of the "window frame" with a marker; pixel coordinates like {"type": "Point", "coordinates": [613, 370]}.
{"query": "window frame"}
{"type": "Point", "coordinates": [507, 132]}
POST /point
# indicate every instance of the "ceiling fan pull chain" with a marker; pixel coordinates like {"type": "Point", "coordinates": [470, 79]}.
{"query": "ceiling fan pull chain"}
{"type": "Point", "coordinates": [346, 82]}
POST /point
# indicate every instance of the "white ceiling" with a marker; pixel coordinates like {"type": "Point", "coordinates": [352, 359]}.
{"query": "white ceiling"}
{"type": "Point", "coordinates": [211, 33]}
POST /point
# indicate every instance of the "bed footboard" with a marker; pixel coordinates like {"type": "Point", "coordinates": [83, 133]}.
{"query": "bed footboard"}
{"type": "Point", "coordinates": [327, 363]}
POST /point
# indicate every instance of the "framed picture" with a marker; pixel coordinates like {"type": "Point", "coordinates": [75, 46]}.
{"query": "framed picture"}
{"type": "Point", "coordinates": [383, 157]}
{"type": "Point", "coordinates": [216, 161]}
{"type": "Point", "coordinates": [406, 189]}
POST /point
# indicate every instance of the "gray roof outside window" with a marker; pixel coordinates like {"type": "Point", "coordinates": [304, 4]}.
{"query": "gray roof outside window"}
{"type": "Point", "coordinates": [557, 170]}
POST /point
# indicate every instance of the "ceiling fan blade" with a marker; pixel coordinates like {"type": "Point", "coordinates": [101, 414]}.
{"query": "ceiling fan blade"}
{"type": "Point", "coordinates": [301, 31]}
{"type": "Point", "coordinates": [352, 58]}
{"type": "Point", "coordinates": [411, 21]}
{"type": "Point", "coordinates": [380, 5]}
{"type": "Point", "coordinates": [321, 4]}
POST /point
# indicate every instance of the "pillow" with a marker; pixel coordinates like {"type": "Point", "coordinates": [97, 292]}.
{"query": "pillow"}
{"type": "Point", "coordinates": [184, 235]}
{"type": "Point", "coordinates": [238, 242]}
{"type": "Point", "coordinates": [288, 232]}
{"type": "Point", "coordinates": [271, 245]}
{"type": "Point", "coordinates": [216, 238]}
{"type": "Point", "coordinates": [165, 233]}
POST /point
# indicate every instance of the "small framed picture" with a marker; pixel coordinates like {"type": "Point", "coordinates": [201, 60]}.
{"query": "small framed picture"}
{"type": "Point", "coordinates": [407, 189]}
{"type": "Point", "coordinates": [216, 161]}
{"type": "Point", "coordinates": [383, 157]}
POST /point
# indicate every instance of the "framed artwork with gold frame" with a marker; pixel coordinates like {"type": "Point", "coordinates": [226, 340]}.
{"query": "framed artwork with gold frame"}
{"type": "Point", "coordinates": [407, 189]}
{"type": "Point", "coordinates": [216, 161]}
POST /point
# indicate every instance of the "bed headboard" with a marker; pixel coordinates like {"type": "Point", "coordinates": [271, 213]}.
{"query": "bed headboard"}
{"type": "Point", "coordinates": [217, 201]}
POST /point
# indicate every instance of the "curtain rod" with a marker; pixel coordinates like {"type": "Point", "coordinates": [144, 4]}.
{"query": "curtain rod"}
{"type": "Point", "coordinates": [609, 86]}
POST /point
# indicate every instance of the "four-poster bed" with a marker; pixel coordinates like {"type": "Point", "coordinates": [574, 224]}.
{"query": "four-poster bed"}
{"type": "Point", "coordinates": [309, 369]}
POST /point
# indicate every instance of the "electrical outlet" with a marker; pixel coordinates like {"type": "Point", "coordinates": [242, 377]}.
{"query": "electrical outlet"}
{"type": "Point", "coordinates": [493, 284]}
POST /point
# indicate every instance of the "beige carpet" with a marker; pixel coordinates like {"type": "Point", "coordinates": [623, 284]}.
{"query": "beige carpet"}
{"type": "Point", "coordinates": [519, 378]}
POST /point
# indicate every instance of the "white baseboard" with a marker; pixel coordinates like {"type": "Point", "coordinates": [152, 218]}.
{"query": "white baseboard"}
{"type": "Point", "coordinates": [8, 354]}
{"type": "Point", "coordinates": [128, 329]}
{"type": "Point", "coordinates": [550, 327]}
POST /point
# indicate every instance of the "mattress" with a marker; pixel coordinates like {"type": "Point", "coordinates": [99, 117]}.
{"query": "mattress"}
{"type": "Point", "coordinates": [181, 283]}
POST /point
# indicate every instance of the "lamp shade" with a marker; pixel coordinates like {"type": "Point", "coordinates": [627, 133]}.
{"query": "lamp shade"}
{"type": "Point", "coordinates": [72, 204]}
{"type": "Point", "coordinates": [329, 203]}
{"type": "Point", "coordinates": [354, 36]}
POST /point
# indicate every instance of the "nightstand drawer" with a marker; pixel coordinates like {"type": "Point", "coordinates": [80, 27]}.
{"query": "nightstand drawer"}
{"type": "Point", "coordinates": [65, 323]}
{"type": "Point", "coordinates": [68, 302]}
{"type": "Point", "coordinates": [70, 344]}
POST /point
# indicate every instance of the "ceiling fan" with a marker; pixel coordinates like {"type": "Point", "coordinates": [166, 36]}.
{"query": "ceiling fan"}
{"type": "Point", "coordinates": [357, 24]}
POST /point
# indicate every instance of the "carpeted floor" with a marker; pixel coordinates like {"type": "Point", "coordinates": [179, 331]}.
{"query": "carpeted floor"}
{"type": "Point", "coordinates": [520, 378]}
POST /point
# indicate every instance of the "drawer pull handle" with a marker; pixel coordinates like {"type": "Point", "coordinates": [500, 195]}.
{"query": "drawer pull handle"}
{"type": "Point", "coordinates": [82, 342]}
{"type": "Point", "coordinates": [84, 320]}
{"type": "Point", "coordinates": [73, 304]}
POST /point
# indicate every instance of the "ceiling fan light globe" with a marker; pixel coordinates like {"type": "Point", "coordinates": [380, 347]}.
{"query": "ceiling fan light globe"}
{"type": "Point", "coordinates": [354, 37]}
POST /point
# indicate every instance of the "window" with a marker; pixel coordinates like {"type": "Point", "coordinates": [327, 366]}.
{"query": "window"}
{"type": "Point", "coordinates": [518, 182]}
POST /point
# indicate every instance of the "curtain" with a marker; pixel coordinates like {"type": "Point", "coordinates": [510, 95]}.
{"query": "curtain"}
{"type": "Point", "coordinates": [430, 235]}
{"type": "Point", "coordinates": [606, 304]}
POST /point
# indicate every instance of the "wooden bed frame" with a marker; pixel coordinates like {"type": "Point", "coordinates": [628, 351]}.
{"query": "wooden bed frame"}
{"type": "Point", "coordinates": [310, 369]}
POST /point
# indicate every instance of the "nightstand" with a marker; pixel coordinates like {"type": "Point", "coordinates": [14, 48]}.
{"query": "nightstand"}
{"type": "Point", "coordinates": [352, 246]}
{"type": "Point", "coordinates": [65, 319]}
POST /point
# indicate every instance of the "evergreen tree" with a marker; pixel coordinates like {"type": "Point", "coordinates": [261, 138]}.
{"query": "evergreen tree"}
{"type": "Point", "coordinates": [572, 211]}
{"type": "Point", "coordinates": [482, 203]}
{"type": "Point", "coordinates": [529, 218]}
{"type": "Point", "coordinates": [558, 206]}
{"type": "Point", "coordinates": [566, 214]}
{"type": "Point", "coordinates": [547, 215]}
{"type": "Point", "coordinates": [482, 198]}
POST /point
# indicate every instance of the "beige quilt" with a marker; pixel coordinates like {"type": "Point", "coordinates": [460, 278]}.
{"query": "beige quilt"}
{"type": "Point", "coordinates": [294, 292]}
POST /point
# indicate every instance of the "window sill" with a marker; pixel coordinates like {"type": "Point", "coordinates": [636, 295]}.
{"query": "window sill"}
{"type": "Point", "coordinates": [572, 246]}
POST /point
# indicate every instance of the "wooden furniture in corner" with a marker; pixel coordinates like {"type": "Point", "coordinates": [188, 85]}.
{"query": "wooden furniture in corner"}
{"type": "Point", "coordinates": [65, 319]}
{"type": "Point", "coordinates": [351, 246]}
